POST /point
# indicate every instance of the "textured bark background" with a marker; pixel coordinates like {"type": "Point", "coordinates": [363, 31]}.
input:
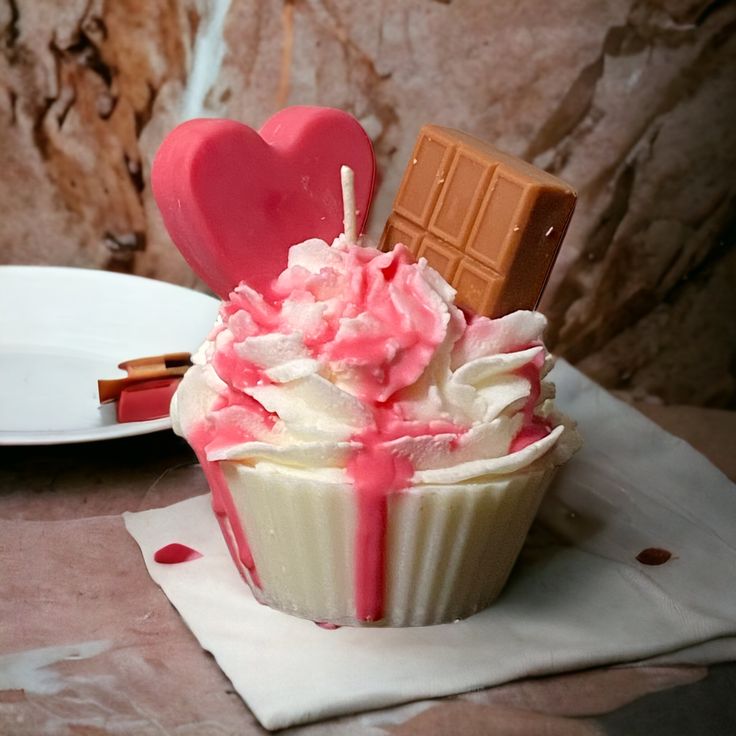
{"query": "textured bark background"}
{"type": "Point", "coordinates": [632, 101]}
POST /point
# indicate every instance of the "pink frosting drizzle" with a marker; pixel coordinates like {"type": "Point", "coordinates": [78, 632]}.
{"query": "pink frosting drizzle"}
{"type": "Point", "coordinates": [223, 427]}
{"type": "Point", "coordinates": [376, 473]}
{"type": "Point", "coordinates": [534, 428]}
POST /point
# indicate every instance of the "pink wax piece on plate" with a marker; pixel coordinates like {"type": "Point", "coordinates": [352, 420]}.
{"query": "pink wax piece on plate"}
{"type": "Point", "coordinates": [235, 200]}
{"type": "Point", "coordinates": [146, 400]}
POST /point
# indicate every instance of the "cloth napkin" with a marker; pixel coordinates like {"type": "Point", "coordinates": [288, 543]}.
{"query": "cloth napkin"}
{"type": "Point", "coordinates": [577, 598]}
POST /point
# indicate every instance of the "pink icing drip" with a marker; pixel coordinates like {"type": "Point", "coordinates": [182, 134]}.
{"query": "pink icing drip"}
{"type": "Point", "coordinates": [392, 425]}
{"type": "Point", "coordinates": [236, 371]}
{"type": "Point", "coordinates": [231, 420]}
{"type": "Point", "coordinates": [263, 313]}
{"type": "Point", "coordinates": [223, 505]}
{"type": "Point", "coordinates": [529, 434]}
{"type": "Point", "coordinates": [534, 428]}
{"type": "Point", "coordinates": [235, 398]}
{"type": "Point", "coordinates": [376, 473]}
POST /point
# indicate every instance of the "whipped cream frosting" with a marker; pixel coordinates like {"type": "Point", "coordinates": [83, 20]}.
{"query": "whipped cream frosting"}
{"type": "Point", "coordinates": [363, 369]}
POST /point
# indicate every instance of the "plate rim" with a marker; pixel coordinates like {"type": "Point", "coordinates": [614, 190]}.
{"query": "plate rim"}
{"type": "Point", "coordinates": [127, 429]}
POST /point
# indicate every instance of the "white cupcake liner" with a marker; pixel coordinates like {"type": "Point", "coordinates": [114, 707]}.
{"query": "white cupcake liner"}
{"type": "Point", "coordinates": [449, 549]}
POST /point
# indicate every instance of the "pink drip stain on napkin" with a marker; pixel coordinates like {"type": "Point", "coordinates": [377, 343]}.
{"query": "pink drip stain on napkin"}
{"type": "Point", "coordinates": [174, 553]}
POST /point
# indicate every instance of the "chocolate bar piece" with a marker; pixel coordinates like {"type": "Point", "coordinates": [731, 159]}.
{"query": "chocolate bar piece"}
{"type": "Point", "coordinates": [489, 222]}
{"type": "Point", "coordinates": [143, 369]}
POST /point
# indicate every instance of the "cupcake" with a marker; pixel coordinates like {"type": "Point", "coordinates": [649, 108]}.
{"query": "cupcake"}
{"type": "Point", "coordinates": [376, 455]}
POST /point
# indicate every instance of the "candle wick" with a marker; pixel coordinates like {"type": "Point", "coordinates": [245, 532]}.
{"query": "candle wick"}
{"type": "Point", "coordinates": [347, 177]}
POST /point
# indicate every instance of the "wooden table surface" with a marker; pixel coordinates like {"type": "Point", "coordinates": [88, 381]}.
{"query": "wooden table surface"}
{"type": "Point", "coordinates": [89, 645]}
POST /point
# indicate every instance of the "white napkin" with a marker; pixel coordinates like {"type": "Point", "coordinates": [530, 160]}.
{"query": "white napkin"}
{"type": "Point", "coordinates": [567, 606]}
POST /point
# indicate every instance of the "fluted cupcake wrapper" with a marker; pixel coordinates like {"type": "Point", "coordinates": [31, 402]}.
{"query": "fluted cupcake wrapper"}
{"type": "Point", "coordinates": [449, 549]}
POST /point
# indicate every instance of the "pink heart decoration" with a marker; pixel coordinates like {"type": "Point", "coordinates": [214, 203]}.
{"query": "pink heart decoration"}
{"type": "Point", "coordinates": [235, 200]}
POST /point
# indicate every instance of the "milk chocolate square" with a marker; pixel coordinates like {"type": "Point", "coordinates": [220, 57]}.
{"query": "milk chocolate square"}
{"type": "Point", "coordinates": [489, 222]}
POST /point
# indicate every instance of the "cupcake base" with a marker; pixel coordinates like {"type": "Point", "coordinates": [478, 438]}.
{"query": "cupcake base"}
{"type": "Point", "coordinates": [448, 549]}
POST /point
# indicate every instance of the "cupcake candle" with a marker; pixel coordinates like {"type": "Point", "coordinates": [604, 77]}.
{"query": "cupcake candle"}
{"type": "Point", "coordinates": [375, 454]}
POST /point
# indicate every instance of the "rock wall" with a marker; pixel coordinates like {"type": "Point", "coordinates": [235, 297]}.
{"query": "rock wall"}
{"type": "Point", "coordinates": [632, 101]}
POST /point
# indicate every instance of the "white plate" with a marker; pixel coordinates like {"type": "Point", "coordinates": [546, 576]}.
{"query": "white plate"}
{"type": "Point", "coordinates": [63, 328]}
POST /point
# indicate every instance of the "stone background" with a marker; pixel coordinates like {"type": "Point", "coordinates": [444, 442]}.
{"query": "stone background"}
{"type": "Point", "coordinates": [631, 101]}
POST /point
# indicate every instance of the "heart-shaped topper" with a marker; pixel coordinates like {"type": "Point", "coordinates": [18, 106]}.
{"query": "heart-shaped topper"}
{"type": "Point", "coordinates": [235, 200]}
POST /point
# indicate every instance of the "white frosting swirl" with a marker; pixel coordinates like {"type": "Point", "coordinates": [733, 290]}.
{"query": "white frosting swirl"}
{"type": "Point", "coordinates": [363, 343]}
